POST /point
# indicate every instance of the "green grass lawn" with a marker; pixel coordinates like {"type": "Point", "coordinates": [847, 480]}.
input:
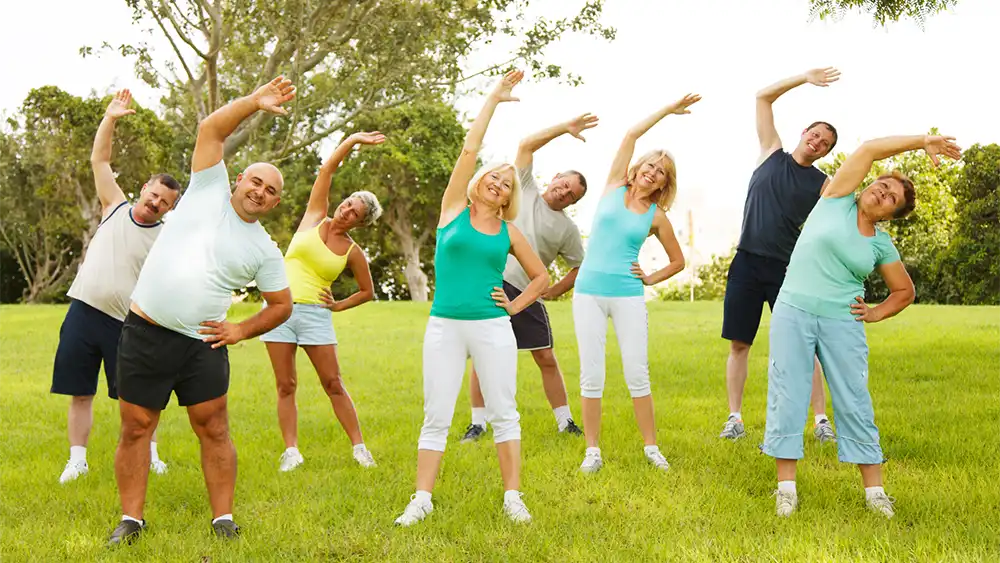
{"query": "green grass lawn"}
{"type": "Point", "coordinates": [934, 381]}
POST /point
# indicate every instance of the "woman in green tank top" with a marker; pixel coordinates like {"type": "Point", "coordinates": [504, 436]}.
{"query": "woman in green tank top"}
{"type": "Point", "coordinates": [470, 313]}
{"type": "Point", "coordinates": [321, 249]}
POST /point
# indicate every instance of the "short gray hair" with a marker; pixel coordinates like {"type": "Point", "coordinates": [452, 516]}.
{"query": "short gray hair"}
{"type": "Point", "coordinates": [373, 209]}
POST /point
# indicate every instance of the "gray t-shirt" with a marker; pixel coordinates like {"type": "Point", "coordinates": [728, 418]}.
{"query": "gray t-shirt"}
{"type": "Point", "coordinates": [550, 233]}
{"type": "Point", "coordinates": [113, 261]}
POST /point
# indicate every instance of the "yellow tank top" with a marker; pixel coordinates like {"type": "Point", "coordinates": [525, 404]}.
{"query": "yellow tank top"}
{"type": "Point", "coordinates": [311, 266]}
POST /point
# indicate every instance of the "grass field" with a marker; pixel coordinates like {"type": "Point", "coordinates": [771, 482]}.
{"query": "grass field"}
{"type": "Point", "coordinates": [934, 381]}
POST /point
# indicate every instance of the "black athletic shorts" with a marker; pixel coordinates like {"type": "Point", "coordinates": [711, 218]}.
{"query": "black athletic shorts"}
{"type": "Point", "coordinates": [752, 280]}
{"type": "Point", "coordinates": [531, 326]}
{"type": "Point", "coordinates": [154, 362]}
{"type": "Point", "coordinates": [87, 338]}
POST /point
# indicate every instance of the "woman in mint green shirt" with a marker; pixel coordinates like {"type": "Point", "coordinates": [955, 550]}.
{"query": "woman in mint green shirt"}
{"type": "Point", "coordinates": [470, 316]}
{"type": "Point", "coordinates": [612, 285]}
{"type": "Point", "coordinates": [820, 311]}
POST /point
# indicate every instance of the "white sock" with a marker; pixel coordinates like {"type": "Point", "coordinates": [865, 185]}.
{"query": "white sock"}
{"type": "Point", "coordinates": [153, 455]}
{"type": "Point", "coordinates": [423, 497]}
{"type": "Point", "coordinates": [79, 453]}
{"type": "Point", "coordinates": [563, 416]}
{"type": "Point", "coordinates": [479, 416]}
{"type": "Point", "coordinates": [223, 517]}
{"type": "Point", "coordinates": [511, 495]}
{"type": "Point", "coordinates": [821, 418]}
{"type": "Point", "coordinates": [360, 448]}
{"type": "Point", "coordinates": [650, 450]}
{"type": "Point", "coordinates": [127, 517]}
{"type": "Point", "coordinates": [872, 491]}
{"type": "Point", "coordinates": [737, 414]}
{"type": "Point", "coordinates": [786, 486]}
{"type": "Point", "coordinates": [594, 451]}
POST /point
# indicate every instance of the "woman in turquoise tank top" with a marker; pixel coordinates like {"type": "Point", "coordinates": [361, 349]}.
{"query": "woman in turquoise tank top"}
{"type": "Point", "coordinates": [611, 283]}
{"type": "Point", "coordinates": [470, 316]}
{"type": "Point", "coordinates": [320, 250]}
{"type": "Point", "coordinates": [820, 312]}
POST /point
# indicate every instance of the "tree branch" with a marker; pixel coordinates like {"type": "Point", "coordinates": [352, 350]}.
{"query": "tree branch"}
{"type": "Point", "coordinates": [177, 27]}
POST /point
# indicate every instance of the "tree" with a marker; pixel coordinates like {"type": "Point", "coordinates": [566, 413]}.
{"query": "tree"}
{"type": "Point", "coordinates": [50, 206]}
{"type": "Point", "coordinates": [710, 282]}
{"type": "Point", "coordinates": [970, 268]}
{"type": "Point", "coordinates": [881, 10]}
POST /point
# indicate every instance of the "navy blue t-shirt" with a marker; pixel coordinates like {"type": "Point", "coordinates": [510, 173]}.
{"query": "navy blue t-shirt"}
{"type": "Point", "coordinates": [781, 195]}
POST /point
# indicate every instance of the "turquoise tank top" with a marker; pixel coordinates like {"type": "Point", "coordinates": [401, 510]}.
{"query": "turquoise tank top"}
{"type": "Point", "coordinates": [467, 266]}
{"type": "Point", "coordinates": [615, 238]}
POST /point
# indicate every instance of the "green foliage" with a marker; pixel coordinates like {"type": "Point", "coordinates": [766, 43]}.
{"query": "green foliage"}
{"type": "Point", "coordinates": [881, 10]}
{"type": "Point", "coordinates": [710, 284]}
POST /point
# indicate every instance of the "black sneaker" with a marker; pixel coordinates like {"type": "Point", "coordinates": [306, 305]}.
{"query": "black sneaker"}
{"type": "Point", "coordinates": [473, 433]}
{"type": "Point", "coordinates": [226, 529]}
{"type": "Point", "coordinates": [572, 428]}
{"type": "Point", "coordinates": [126, 532]}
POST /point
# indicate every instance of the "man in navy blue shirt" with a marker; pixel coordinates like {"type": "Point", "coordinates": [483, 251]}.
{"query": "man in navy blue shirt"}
{"type": "Point", "coordinates": [783, 190]}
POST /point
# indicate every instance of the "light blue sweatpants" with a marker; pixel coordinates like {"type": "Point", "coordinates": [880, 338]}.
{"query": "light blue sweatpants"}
{"type": "Point", "coordinates": [796, 336]}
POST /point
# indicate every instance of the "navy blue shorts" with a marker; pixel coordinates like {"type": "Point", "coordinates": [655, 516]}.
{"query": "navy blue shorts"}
{"type": "Point", "coordinates": [531, 326]}
{"type": "Point", "coordinates": [752, 280]}
{"type": "Point", "coordinates": [87, 338]}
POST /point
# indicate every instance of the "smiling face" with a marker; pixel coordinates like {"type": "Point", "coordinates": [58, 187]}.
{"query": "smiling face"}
{"type": "Point", "coordinates": [351, 212]}
{"type": "Point", "coordinates": [884, 198]}
{"type": "Point", "coordinates": [155, 200]}
{"type": "Point", "coordinates": [258, 190]}
{"type": "Point", "coordinates": [816, 142]}
{"type": "Point", "coordinates": [495, 187]}
{"type": "Point", "coordinates": [564, 190]}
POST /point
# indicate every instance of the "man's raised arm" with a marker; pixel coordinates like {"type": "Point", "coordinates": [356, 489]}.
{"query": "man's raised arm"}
{"type": "Point", "coordinates": [214, 129]}
{"type": "Point", "coordinates": [108, 190]}
{"type": "Point", "coordinates": [766, 132]}
{"type": "Point", "coordinates": [539, 139]}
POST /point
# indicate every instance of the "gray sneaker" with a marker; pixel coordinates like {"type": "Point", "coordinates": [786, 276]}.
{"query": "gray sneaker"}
{"type": "Point", "coordinates": [785, 503]}
{"type": "Point", "coordinates": [733, 429]}
{"type": "Point", "coordinates": [882, 503]}
{"type": "Point", "coordinates": [824, 432]}
{"type": "Point", "coordinates": [473, 433]}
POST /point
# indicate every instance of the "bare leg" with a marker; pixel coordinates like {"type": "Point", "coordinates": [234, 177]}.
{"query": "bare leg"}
{"type": "Point", "coordinates": [210, 421]}
{"type": "Point", "coordinates": [552, 379]}
{"type": "Point", "coordinates": [80, 419]}
{"type": "Point", "coordinates": [282, 356]}
{"type": "Point", "coordinates": [324, 359]}
{"type": "Point", "coordinates": [509, 456]}
{"type": "Point", "coordinates": [428, 466]}
{"type": "Point", "coordinates": [871, 475]}
{"type": "Point", "coordinates": [591, 412]}
{"type": "Point", "coordinates": [132, 456]}
{"type": "Point", "coordinates": [818, 398]}
{"type": "Point", "coordinates": [786, 469]}
{"type": "Point", "coordinates": [736, 373]}
{"type": "Point", "coordinates": [644, 417]}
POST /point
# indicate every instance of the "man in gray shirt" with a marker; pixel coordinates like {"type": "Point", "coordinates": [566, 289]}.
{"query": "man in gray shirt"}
{"type": "Point", "coordinates": [551, 233]}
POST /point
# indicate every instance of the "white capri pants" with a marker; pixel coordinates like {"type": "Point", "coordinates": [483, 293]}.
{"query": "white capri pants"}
{"type": "Point", "coordinates": [447, 345]}
{"type": "Point", "coordinates": [590, 319]}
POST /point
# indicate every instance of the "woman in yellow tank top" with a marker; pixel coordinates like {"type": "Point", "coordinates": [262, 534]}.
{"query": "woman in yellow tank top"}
{"type": "Point", "coordinates": [320, 250]}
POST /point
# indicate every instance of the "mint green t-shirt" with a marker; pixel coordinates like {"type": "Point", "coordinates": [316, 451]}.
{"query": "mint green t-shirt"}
{"type": "Point", "coordinates": [832, 258]}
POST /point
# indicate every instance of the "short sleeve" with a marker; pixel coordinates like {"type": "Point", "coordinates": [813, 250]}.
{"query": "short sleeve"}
{"type": "Point", "coordinates": [572, 246]}
{"type": "Point", "coordinates": [213, 178]}
{"type": "Point", "coordinates": [271, 274]}
{"type": "Point", "coordinates": [885, 251]}
{"type": "Point", "coordinates": [527, 178]}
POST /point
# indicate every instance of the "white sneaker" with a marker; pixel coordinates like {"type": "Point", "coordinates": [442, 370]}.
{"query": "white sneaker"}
{"type": "Point", "coordinates": [785, 503]}
{"type": "Point", "coordinates": [658, 461]}
{"type": "Point", "coordinates": [290, 459]}
{"type": "Point", "coordinates": [515, 509]}
{"type": "Point", "coordinates": [157, 466]}
{"type": "Point", "coordinates": [882, 504]}
{"type": "Point", "coordinates": [591, 463]}
{"type": "Point", "coordinates": [364, 458]}
{"type": "Point", "coordinates": [414, 512]}
{"type": "Point", "coordinates": [73, 470]}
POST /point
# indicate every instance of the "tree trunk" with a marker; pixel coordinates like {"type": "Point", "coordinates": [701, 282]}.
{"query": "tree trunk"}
{"type": "Point", "coordinates": [399, 221]}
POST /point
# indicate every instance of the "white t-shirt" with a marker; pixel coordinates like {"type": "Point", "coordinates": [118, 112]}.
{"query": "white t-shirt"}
{"type": "Point", "coordinates": [205, 252]}
{"type": "Point", "coordinates": [550, 233]}
{"type": "Point", "coordinates": [112, 263]}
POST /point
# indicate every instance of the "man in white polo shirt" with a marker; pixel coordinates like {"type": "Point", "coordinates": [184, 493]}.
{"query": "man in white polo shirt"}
{"type": "Point", "coordinates": [175, 335]}
{"type": "Point", "coordinates": [551, 233]}
{"type": "Point", "coordinates": [101, 293]}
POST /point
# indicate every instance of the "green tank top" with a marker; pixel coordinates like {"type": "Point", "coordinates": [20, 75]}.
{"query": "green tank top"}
{"type": "Point", "coordinates": [467, 266]}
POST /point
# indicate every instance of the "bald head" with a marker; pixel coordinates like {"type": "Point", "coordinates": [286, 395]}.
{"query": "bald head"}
{"type": "Point", "coordinates": [258, 190]}
{"type": "Point", "coordinates": [267, 172]}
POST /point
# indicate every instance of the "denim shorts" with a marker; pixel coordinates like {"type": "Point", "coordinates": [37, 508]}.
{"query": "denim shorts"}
{"type": "Point", "coordinates": [309, 325]}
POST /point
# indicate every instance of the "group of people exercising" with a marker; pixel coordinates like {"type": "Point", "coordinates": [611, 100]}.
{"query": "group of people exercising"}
{"type": "Point", "coordinates": [155, 314]}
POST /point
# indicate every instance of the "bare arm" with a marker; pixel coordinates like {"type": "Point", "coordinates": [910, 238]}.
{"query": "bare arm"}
{"type": "Point", "coordinates": [225, 333]}
{"type": "Point", "coordinates": [766, 132]}
{"type": "Point", "coordinates": [664, 232]}
{"type": "Point", "coordinates": [214, 129]}
{"type": "Point", "coordinates": [454, 199]}
{"type": "Point", "coordinates": [108, 191]}
{"type": "Point", "coordinates": [532, 266]}
{"type": "Point", "coordinates": [319, 197]}
{"type": "Point", "coordinates": [537, 140]}
{"type": "Point", "coordinates": [562, 286]}
{"type": "Point", "coordinates": [366, 288]}
{"type": "Point", "coordinates": [854, 169]}
{"type": "Point", "coordinates": [901, 294]}
{"type": "Point", "coordinates": [619, 166]}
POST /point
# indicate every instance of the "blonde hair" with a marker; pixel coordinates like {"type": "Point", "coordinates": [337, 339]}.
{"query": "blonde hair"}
{"type": "Point", "coordinates": [663, 197]}
{"type": "Point", "coordinates": [509, 211]}
{"type": "Point", "coordinates": [373, 210]}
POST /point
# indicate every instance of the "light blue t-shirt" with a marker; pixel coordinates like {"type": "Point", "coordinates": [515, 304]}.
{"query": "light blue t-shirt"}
{"type": "Point", "coordinates": [205, 252]}
{"type": "Point", "coordinates": [615, 239]}
{"type": "Point", "coordinates": [832, 259]}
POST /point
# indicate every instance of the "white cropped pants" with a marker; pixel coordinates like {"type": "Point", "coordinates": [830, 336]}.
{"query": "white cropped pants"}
{"type": "Point", "coordinates": [448, 343]}
{"type": "Point", "coordinates": [590, 319]}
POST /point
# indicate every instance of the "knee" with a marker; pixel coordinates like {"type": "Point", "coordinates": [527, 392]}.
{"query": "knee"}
{"type": "Point", "coordinates": [287, 386]}
{"type": "Point", "coordinates": [136, 428]}
{"type": "Point", "coordinates": [213, 429]}
{"type": "Point", "coordinates": [334, 386]}
{"type": "Point", "coordinates": [82, 401]}
{"type": "Point", "coordinates": [738, 349]}
{"type": "Point", "coordinates": [545, 359]}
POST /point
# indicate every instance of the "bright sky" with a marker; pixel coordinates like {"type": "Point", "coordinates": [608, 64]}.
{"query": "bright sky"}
{"type": "Point", "coordinates": [895, 80]}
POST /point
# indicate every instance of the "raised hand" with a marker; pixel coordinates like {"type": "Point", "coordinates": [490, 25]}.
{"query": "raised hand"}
{"type": "Point", "coordinates": [501, 92]}
{"type": "Point", "coordinates": [580, 124]}
{"type": "Point", "coordinates": [276, 92]}
{"type": "Point", "coordinates": [935, 145]}
{"type": "Point", "coordinates": [680, 107]}
{"type": "Point", "coordinates": [368, 138]}
{"type": "Point", "coordinates": [822, 76]}
{"type": "Point", "coordinates": [119, 106]}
